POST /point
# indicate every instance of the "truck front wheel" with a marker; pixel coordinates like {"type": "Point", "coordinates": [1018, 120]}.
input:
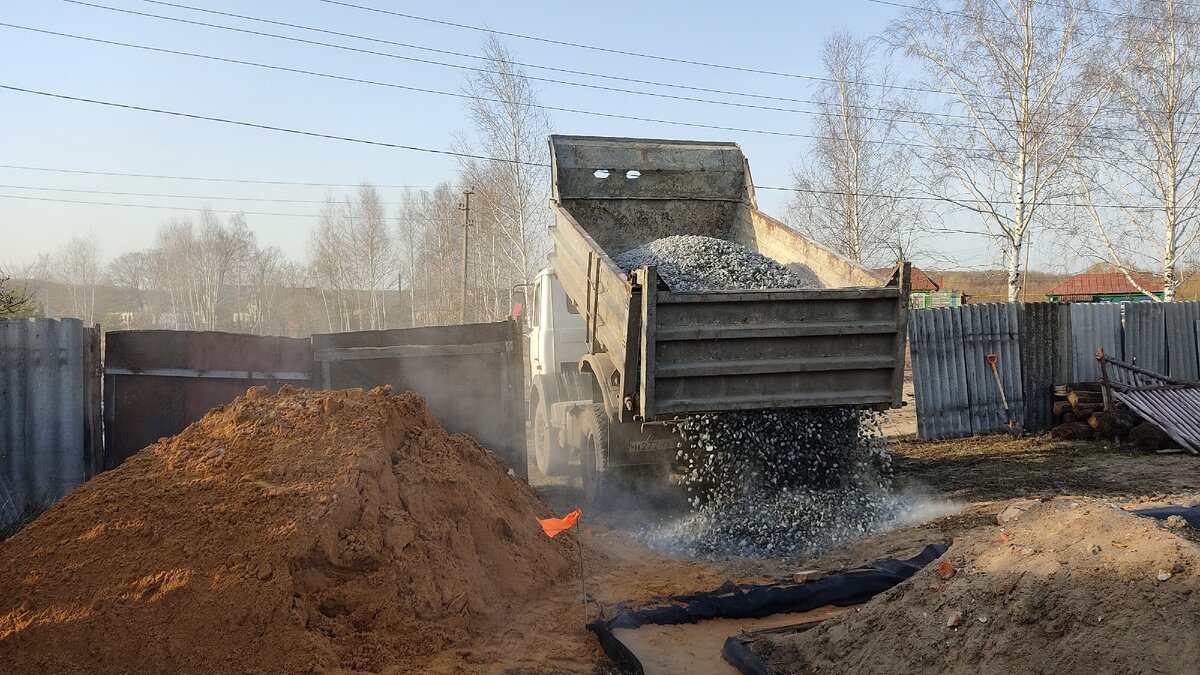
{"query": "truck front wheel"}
{"type": "Point", "coordinates": [594, 456]}
{"type": "Point", "coordinates": [550, 457]}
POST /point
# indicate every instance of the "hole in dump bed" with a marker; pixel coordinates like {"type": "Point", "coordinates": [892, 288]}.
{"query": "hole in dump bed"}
{"type": "Point", "coordinates": [601, 173]}
{"type": "Point", "coordinates": [633, 174]}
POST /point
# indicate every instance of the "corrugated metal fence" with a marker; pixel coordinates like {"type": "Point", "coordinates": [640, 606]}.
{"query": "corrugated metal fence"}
{"type": "Point", "coordinates": [1037, 345]}
{"type": "Point", "coordinates": [49, 407]}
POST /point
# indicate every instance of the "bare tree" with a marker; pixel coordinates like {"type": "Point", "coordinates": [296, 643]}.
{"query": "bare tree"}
{"type": "Point", "coordinates": [77, 267]}
{"type": "Point", "coordinates": [131, 272]}
{"type": "Point", "coordinates": [374, 245]}
{"type": "Point", "coordinates": [1152, 175]}
{"type": "Point", "coordinates": [354, 260]}
{"type": "Point", "coordinates": [219, 251]}
{"type": "Point", "coordinates": [1021, 81]}
{"type": "Point", "coordinates": [510, 237]}
{"type": "Point", "coordinates": [847, 188]}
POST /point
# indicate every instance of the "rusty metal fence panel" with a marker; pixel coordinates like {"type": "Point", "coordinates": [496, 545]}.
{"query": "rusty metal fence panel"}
{"type": "Point", "coordinates": [1146, 335]}
{"type": "Point", "coordinates": [1182, 349]}
{"type": "Point", "coordinates": [472, 376]}
{"type": "Point", "coordinates": [47, 439]}
{"type": "Point", "coordinates": [159, 381]}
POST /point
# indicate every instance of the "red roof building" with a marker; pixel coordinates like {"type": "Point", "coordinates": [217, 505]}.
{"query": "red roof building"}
{"type": "Point", "coordinates": [1105, 287]}
{"type": "Point", "coordinates": [920, 280]}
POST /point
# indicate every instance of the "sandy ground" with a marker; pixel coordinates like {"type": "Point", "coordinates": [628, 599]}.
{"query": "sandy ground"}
{"type": "Point", "coordinates": [977, 476]}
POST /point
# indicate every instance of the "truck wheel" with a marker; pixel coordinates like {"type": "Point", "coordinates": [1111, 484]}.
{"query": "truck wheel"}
{"type": "Point", "coordinates": [594, 456]}
{"type": "Point", "coordinates": [550, 457]}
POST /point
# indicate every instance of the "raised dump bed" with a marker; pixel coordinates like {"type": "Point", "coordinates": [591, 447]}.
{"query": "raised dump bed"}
{"type": "Point", "coordinates": [655, 353]}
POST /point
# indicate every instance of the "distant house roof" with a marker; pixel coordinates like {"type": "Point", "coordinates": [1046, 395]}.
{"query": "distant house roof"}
{"type": "Point", "coordinates": [920, 280]}
{"type": "Point", "coordinates": [1104, 283]}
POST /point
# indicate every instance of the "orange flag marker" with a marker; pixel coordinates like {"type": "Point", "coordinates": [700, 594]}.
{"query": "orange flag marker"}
{"type": "Point", "coordinates": [555, 526]}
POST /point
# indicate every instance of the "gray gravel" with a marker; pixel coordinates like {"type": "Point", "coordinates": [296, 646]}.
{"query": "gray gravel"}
{"type": "Point", "coordinates": [771, 482]}
{"type": "Point", "coordinates": [694, 263]}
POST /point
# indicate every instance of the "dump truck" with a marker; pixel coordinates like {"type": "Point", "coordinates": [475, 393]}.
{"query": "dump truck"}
{"type": "Point", "coordinates": [618, 358]}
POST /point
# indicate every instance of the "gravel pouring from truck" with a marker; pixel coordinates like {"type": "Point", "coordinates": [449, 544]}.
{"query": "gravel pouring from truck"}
{"type": "Point", "coordinates": [651, 354]}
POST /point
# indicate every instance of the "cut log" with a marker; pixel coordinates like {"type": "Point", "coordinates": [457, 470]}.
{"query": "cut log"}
{"type": "Point", "coordinates": [1061, 408]}
{"type": "Point", "coordinates": [1073, 431]}
{"type": "Point", "coordinates": [1148, 438]}
{"type": "Point", "coordinates": [1069, 418]}
{"type": "Point", "coordinates": [1112, 424]}
{"type": "Point", "coordinates": [1064, 389]}
{"type": "Point", "coordinates": [1085, 397]}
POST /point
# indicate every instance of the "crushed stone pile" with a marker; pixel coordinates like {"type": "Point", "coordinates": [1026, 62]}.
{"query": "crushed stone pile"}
{"type": "Point", "coordinates": [1072, 586]}
{"type": "Point", "coordinates": [695, 263]}
{"type": "Point", "coordinates": [297, 532]}
{"type": "Point", "coordinates": [770, 482]}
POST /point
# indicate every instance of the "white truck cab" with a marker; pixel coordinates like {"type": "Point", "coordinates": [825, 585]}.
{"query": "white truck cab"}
{"type": "Point", "coordinates": [556, 329]}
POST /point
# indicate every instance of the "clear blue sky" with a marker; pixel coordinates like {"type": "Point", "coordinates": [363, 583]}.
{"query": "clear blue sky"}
{"type": "Point", "coordinates": [42, 132]}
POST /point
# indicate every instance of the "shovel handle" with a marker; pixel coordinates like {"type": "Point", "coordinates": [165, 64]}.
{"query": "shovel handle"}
{"type": "Point", "coordinates": [991, 359]}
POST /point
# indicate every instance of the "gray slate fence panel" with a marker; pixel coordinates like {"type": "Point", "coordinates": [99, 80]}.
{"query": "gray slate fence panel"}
{"type": "Point", "coordinates": [939, 379]}
{"type": "Point", "coordinates": [1094, 325]}
{"type": "Point", "coordinates": [1146, 335]}
{"type": "Point", "coordinates": [1183, 360]}
{"type": "Point", "coordinates": [42, 419]}
{"type": "Point", "coordinates": [1039, 362]}
{"type": "Point", "coordinates": [978, 328]}
{"type": "Point", "coordinates": [992, 329]}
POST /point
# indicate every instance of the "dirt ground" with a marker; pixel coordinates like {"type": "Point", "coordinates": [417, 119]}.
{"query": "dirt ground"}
{"type": "Point", "coordinates": [975, 477]}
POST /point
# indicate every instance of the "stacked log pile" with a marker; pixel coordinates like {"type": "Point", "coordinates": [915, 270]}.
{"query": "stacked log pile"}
{"type": "Point", "coordinates": [1080, 411]}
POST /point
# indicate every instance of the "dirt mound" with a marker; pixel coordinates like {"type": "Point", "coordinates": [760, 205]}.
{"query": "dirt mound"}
{"type": "Point", "coordinates": [297, 532]}
{"type": "Point", "coordinates": [1066, 586]}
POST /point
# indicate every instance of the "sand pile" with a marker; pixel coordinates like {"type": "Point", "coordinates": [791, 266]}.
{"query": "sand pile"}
{"type": "Point", "coordinates": [297, 532]}
{"type": "Point", "coordinates": [1067, 586]}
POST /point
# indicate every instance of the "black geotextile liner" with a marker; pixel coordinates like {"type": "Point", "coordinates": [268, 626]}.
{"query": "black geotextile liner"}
{"type": "Point", "coordinates": [732, 601]}
{"type": "Point", "coordinates": [1189, 513]}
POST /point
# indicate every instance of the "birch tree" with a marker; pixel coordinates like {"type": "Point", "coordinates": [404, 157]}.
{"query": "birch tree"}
{"type": "Point", "coordinates": [1143, 202]}
{"type": "Point", "coordinates": [1020, 79]}
{"type": "Point", "coordinates": [77, 267]}
{"type": "Point", "coordinates": [846, 187]}
{"type": "Point", "coordinates": [511, 194]}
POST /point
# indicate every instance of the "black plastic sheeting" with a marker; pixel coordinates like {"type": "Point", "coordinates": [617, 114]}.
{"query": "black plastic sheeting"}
{"type": "Point", "coordinates": [732, 601]}
{"type": "Point", "coordinates": [1189, 513]}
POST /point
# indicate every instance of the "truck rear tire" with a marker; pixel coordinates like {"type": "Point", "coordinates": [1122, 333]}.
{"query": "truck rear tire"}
{"type": "Point", "coordinates": [594, 456]}
{"type": "Point", "coordinates": [551, 458]}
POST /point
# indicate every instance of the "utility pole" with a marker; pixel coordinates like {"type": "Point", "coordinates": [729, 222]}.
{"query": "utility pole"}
{"type": "Point", "coordinates": [465, 207]}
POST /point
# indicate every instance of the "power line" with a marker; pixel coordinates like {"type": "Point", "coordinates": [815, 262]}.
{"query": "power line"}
{"type": "Point", "coordinates": [156, 206]}
{"type": "Point", "coordinates": [252, 125]}
{"type": "Point", "coordinates": [479, 58]}
{"type": "Point", "coordinates": [950, 200]}
{"type": "Point", "coordinates": [424, 90]}
{"type": "Point", "coordinates": [657, 57]}
{"type": "Point", "coordinates": [475, 57]}
{"type": "Point", "coordinates": [185, 208]}
{"type": "Point", "coordinates": [564, 43]}
{"type": "Point", "coordinates": [301, 71]}
{"type": "Point", "coordinates": [467, 96]}
{"type": "Point", "coordinates": [166, 196]}
{"type": "Point", "coordinates": [205, 179]}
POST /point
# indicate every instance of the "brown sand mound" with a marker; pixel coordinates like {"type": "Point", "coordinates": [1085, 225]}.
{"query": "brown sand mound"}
{"type": "Point", "coordinates": [1069, 586]}
{"type": "Point", "coordinates": [297, 532]}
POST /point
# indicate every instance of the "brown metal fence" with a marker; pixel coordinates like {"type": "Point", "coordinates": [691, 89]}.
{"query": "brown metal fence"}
{"type": "Point", "coordinates": [472, 376]}
{"type": "Point", "coordinates": [157, 382]}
